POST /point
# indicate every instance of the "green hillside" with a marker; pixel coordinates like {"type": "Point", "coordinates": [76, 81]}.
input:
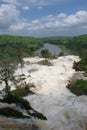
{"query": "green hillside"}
{"type": "Point", "coordinates": [18, 39]}
{"type": "Point", "coordinates": [27, 45]}
{"type": "Point", "coordinates": [56, 39]}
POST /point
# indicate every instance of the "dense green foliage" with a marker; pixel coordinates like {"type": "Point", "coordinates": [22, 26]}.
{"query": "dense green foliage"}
{"type": "Point", "coordinates": [18, 44]}
{"type": "Point", "coordinates": [7, 67]}
{"type": "Point", "coordinates": [78, 87]}
{"type": "Point", "coordinates": [9, 112]}
{"type": "Point", "coordinates": [78, 46]}
{"type": "Point", "coordinates": [46, 54]}
{"type": "Point", "coordinates": [12, 98]}
{"type": "Point", "coordinates": [31, 41]}
{"type": "Point", "coordinates": [56, 39]}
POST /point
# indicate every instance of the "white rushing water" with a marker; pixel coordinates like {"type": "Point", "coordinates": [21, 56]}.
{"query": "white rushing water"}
{"type": "Point", "coordinates": [64, 110]}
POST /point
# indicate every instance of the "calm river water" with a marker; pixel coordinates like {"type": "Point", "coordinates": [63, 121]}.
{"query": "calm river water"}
{"type": "Point", "coordinates": [54, 49]}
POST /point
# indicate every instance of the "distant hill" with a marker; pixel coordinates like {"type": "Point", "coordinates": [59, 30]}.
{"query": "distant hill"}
{"type": "Point", "coordinates": [76, 44]}
{"type": "Point", "coordinates": [50, 39]}
{"type": "Point", "coordinates": [18, 39]}
{"type": "Point", "coordinates": [28, 45]}
{"type": "Point", "coordinates": [56, 39]}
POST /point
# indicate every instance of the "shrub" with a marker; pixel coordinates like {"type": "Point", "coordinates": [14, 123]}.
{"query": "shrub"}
{"type": "Point", "coordinates": [24, 104]}
{"type": "Point", "coordinates": [38, 115]}
{"type": "Point", "coordinates": [61, 54]}
{"type": "Point", "coordinates": [45, 62]}
{"type": "Point", "coordinates": [10, 112]}
{"type": "Point", "coordinates": [46, 54]}
{"type": "Point", "coordinates": [78, 87]}
{"type": "Point", "coordinates": [12, 98]}
{"type": "Point", "coordinates": [22, 91]}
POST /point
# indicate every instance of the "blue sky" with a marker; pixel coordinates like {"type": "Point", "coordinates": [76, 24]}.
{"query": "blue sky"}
{"type": "Point", "coordinates": [42, 18]}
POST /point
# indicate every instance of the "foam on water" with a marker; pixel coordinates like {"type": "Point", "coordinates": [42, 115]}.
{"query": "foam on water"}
{"type": "Point", "coordinates": [64, 110]}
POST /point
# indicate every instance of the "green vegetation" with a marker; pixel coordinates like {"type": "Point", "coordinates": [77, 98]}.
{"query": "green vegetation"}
{"type": "Point", "coordinates": [12, 98]}
{"type": "Point", "coordinates": [78, 46]}
{"type": "Point", "coordinates": [14, 48]}
{"type": "Point", "coordinates": [81, 65]}
{"type": "Point", "coordinates": [19, 45]}
{"type": "Point", "coordinates": [10, 112]}
{"type": "Point", "coordinates": [74, 45]}
{"type": "Point", "coordinates": [56, 39]}
{"type": "Point", "coordinates": [46, 54]}
{"type": "Point", "coordinates": [7, 67]}
{"type": "Point", "coordinates": [78, 87]}
{"type": "Point", "coordinates": [12, 51]}
{"type": "Point", "coordinates": [31, 41]}
{"type": "Point", "coordinates": [22, 91]}
{"type": "Point", "coordinates": [37, 115]}
{"type": "Point", "coordinates": [23, 104]}
{"type": "Point", "coordinates": [45, 62]}
{"type": "Point", "coordinates": [61, 54]}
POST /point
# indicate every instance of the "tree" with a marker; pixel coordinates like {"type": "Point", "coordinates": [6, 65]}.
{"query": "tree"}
{"type": "Point", "coordinates": [6, 74]}
{"type": "Point", "coordinates": [46, 54]}
{"type": "Point", "coordinates": [7, 68]}
{"type": "Point", "coordinates": [19, 54]}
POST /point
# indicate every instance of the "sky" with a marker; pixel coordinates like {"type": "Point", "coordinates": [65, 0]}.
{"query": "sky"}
{"type": "Point", "coordinates": [41, 18]}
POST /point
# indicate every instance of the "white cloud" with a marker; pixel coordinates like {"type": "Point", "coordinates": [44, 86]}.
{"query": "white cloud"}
{"type": "Point", "coordinates": [14, 2]}
{"type": "Point", "coordinates": [18, 27]}
{"type": "Point", "coordinates": [79, 18]}
{"type": "Point", "coordinates": [36, 21]}
{"type": "Point", "coordinates": [25, 8]}
{"type": "Point", "coordinates": [38, 3]}
{"type": "Point", "coordinates": [8, 16]}
{"type": "Point", "coordinates": [61, 24]}
{"type": "Point", "coordinates": [40, 7]}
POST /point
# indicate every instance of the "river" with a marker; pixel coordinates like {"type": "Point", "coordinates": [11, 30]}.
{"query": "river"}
{"type": "Point", "coordinates": [53, 49]}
